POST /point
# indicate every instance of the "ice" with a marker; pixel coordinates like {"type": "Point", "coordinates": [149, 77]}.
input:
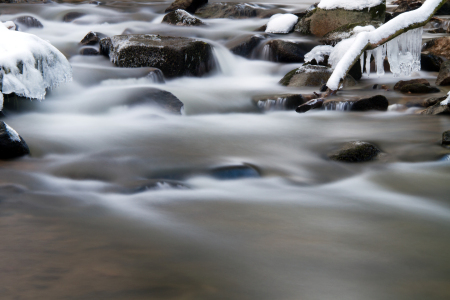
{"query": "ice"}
{"type": "Point", "coordinates": [349, 4]}
{"type": "Point", "coordinates": [368, 58]}
{"type": "Point", "coordinates": [281, 23]}
{"type": "Point", "coordinates": [30, 65]}
{"type": "Point", "coordinates": [379, 59]}
{"type": "Point", "coordinates": [13, 135]}
{"type": "Point", "coordinates": [318, 53]}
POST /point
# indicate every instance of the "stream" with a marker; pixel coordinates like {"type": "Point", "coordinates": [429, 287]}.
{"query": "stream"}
{"type": "Point", "coordinates": [118, 201]}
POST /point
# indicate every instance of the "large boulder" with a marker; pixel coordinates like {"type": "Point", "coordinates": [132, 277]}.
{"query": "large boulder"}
{"type": "Point", "coordinates": [444, 74]}
{"type": "Point", "coordinates": [355, 152]}
{"type": "Point", "coordinates": [309, 75]}
{"type": "Point", "coordinates": [181, 17]}
{"type": "Point", "coordinates": [439, 46]}
{"type": "Point", "coordinates": [174, 56]}
{"type": "Point", "coordinates": [321, 21]}
{"type": "Point", "coordinates": [245, 44]}
{"type": "Point", "coordinates": [287, 51]}
{"type": "Point", "coordinates": [234, 10]}
{"type": "Point", "coordinates": [187, 5]}
{"type": "Point", "coordinates": [12, 144]}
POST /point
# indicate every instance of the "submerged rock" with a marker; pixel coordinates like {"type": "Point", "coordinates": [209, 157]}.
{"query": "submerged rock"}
{"type": "Point", "coordinates": [156, 97]}
{"type": "Point", "coordinates": [356, 152]}
{"type": "Point", "coordinates": [378, 102]}
{"type": "Point", "coordinates": [309, 75]}
{"type": "Point", "coordinates": [29, 22]}
{"type": "Point", "coordinates": [287, 51]}
{"type": "Point", "coordinates": [418, 88]}
{"type": "Point", "coordinates": [446, 137]}
{"type": "Point", "coordinates": [234, 10]}
{"type": "Point", "coordinates": [439, 46]}
{"type": "Point", "coordinates": [153, 185]}
{"type": "Point", "coordinates": [71, 16]}
{"type": "Point", "coordinates": [12, 144]}
{"type": "Point", "coordinates": [89, 51]}
{"type": "Point", "coordinates": [444, 74]}
{"type": "Point", "coordinates": [432, 101]}
{"type": "Point", "coordinates": [281, 102]}
{"type": "Point", "coordinates": [312, 104]}
{"type": "Point", "coordinates": [181, 17]}
{"type": "Point", "coordinates": [187, 5]}
{"type": "Point", "coordinates": [430, 62]}
{"type": "Point", "coordinates": [92, 38]}
{"type": "Point", "coordinates": [174, 56]}
{"type": "Point", "coordinates": [235, 172]}
{"type": "Point", "coordinates": [244, 45]}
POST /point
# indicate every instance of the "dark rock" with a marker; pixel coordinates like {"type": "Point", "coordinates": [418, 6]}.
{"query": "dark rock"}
{"type": "Point", "coordinates": [29, 22]}
{"type": "Point", "coordinates": [432, 101]}
{"type": "Point", "coordinates": [389, 16]}
{"type": "Point", "coordinates": [446, 137]}
{"type": "Point", "coordinates": [406, 6]}
{"type": "Point", "coordinates": [92, 38]}
{"type": "Point", "coordinates": [377, 102]}
{"type": "Point", "coordinates": [174, 56]}
{"type": "Point", "coordinates": [281, 102]}
{"type": "Point", "coordinates": [187, 5]}
{"type": "Point", "coordinates": [156, 97]}
{"type": "Point", "coordinates": [419, 88]}
{"type": "Point", "coordinates": [235, 172]}
{"type": "Point", "coordinates": [287, 51]}
{"type": "Point", "coordinates": [12, 145]}
{"type": "Point", "coordinates": [69, 17]}
{"type": "Point", "coordinates": [308, 75]}
{"type": "Point", "coordinates": [437, 30]}
{"type": "Point", "coordinates": [312, 104]}
{"type": "Point", "coordinates": [262, 28]}
{"type": "Point", "coordinates": [89, 51]}
{"type": "Point", "coordinates": [233, 10]}
{"type": "Point", "coordinates": [430, 62]}
{"type": "Point", "coordinates": [444, 74]}
{"type": "Point", "coordinates": [356, 152]}
{"type": "Point", "coordinates": [398, 86]}
{"type": "Point", "coordinates": [444, 10]}
{"type": "Point", "coordinates": [244, 45]}
{"type": "Point", "coordinates": [437, 109]}
{"type": "Point", "coordinates": [180, 17]}
{"type": "Point", "coordinates": [439, 46]}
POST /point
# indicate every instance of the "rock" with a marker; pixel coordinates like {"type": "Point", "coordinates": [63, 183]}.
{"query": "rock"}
{"type": "Point", "coordinates": [181, 17]}
{"type": "Point", "coordinates": [398, 86]}
{"type": "Point", "coordinates": [419, 88]}
{"type": "Point", "coordinates": [444, 74]}
{"type": "Point", "coordinates": [319, 22]}
{"type": "Point", "coordinates": [245, 44]}
{"type": "Point", "coordinates": [389, 16]}
{"type": "Point", "coordinates": [29, 22]}
{"type": "Point", "coordinates": [156, 97]}
{"type": "Point", "coordinates": [89, 51]}
{"type": "Point", "coordinates": [437, 109]}
{"type": "Point", "coordinates": [406, 6]}
{"type": "Point", "coordinates": [142, 186]}
{"type": "Point", "coordinates": [233, 10]}
{"type": "Point", "coordinates": [187, 5]}
{"type": "Point", "coordinates": [430, 62]}
{"type": "Point", "coordinates": [287, 51]}
{"type": "Point", "coordinates": [309, 75]}
{"type": "Point", "coordinates": [344, 32]}
{"type": "Point", "coordinates": [92, 38]}
{"type": "Point", "coordinates": [312, 104]}
{"type": "Point", "coordinates": [281, 102]}
{"type": "Point", "coordinates": [432, 101]}
{"type": "Point", "coordinates": [174, 56]}
{"type": "Point", "coordinates": [439, 46]}
{"type": "Point", "coordinates": [69, 17]}
{"type": "Point", "coordinates": [12, 144]}
{"type": "Point", "coordinates": [378, 102]}
{"type": "Point", "coordinates": [235, 172]}
{"type": "Point", "coordinates": [356, 152]}
{"type": "Point", "coordinates": [446, 137]}
{"type": "Point", "coordinates": [413, 4]}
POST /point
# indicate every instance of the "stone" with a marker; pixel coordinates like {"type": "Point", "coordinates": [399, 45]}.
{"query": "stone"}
{"type": "Point", "coordinates": [432, 101]}
{"type": "Point", "coordinates": [235, 172]}
{"type": "Point", "coordinates": [446, 137]}
{"type": "Point", "coordinates": [71, 16]}
{"type": "Point", "coordinates": [444, 74]}
{"type": "Point", "coordinates": [312, 104]}
{"type": "Point", "coordinates": [187, 5]}
{"type": "Point", "coordinates": [29, 22]}
{"type": "Point", "coordinates": [281, 102]}
{"type": "Point", "coordinates": [439, 47]}
{"type": "Point", "coordinates": [92, 38]}
{"type": "Point", "coordinates": [419, 88]}
{"type": "Point", "coordinates": [12, 144]}
{"type": "Point", "coordinates": [181, 17]}
{"type": "Point", "coordinates": [156, 97]}
{"type": "Point", "coordinates": [287, 51]}
{"type": "Point", "coordinates": [378, 102]}
{"type": "Point", "coordinates": [309, 75]}
{"type": "Point", "coordinates": [244, 45]}
{"type": "Point", "coordinates": [357, 151]}
{"type": "Point", "coordinates": [344, 32]}
{"type": "Point", "coordinates": [232, 10]}
{"type": "Point", "coordinates": [174, 56]}
{"type": "Point", "coordinates": [430, 62]}
{"type": "Point", "coordinates": [437, 109]}
{"type": "Point", "coordinates": [89, 51]}
{"type": "Point", "coordinates": [398, 86]}
{"type": "Point", "coordinates": [142, 186]}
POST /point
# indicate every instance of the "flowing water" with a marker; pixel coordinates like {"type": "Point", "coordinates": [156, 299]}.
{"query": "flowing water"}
{"type": "Point", "coordinates": [71, 226]}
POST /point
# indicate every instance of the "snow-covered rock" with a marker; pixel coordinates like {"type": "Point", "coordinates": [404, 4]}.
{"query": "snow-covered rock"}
{"type": "Point", "coordinates": [30, 65]}
{"type": "Point", "coordinates": [349, 4]}
{"type": "Point", "coordinates": [281, 23]}
{"type": "Point", "coordinates": [11, 143]}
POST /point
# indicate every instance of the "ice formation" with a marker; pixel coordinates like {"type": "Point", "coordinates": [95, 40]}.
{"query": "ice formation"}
{"type": "Point", "coordinates": [318, 53]}
{"type": "Point", "coordinates": [29, 65]}
{"type": "Point", "coordinates": [281, 23]}
{"type": "Point", "coordinates": [348, 4]}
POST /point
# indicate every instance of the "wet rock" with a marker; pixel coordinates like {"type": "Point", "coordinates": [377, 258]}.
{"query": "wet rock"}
{"type": "Point", "coordinates": [356, 152]}
{"type": "Point", "coordinates": [446, 137]}
{"type": "Point", "coordinates": [71, 16]}
{"type": "Point", "coordinates": [92, 38]}
{"type": "Point", "coordinates": [378, 102]}
{"type": "Point", "coordinates": [444, 74]}
{"type": "Point", "coordinates": [153, 185]}
{"type": "Point", "coordinates": [244, 45]}
{"type": "Point", "coordinates": [439, 46]}
{"type": "Point", "coordinates": [181, 17]}
{"type": "Point", "coordinates": [174, 56]}
{"type": "Point", "coordinates": [309, 75]}
{"type": "Point", "coordinates": [187, 5]}
{"type": "Point", "coordinates": [432, 101]}
{"type": "Point", "coordinates": [29, 22]}
{"type": "Point", "coordinates": [319, 22]}
{"type": "Point", "coordinates": [234, 10]}
{"type": "Point", "coordinates": [235, 172]}
{"type": "Point", "coordinates": [419, 88]}
{"type": "Point", "coordinates": [287, 51]}
{"type": "Point", "coordinates": [430, 62]}
{"type": "Point", "coordinates": [89, 51]}
{"type": "Point", "coordinates": [12, 144]}
{"type": "Point", "coordinates": [156, 97]}
{"type": "Point", "coordinates": [281, 102]}
{"type": "Point", "coordinates": [312, 104]}
{"type": "Point", "coordinates": [398, 86]}
{"type": "Point", "coordinates": [437, 109]}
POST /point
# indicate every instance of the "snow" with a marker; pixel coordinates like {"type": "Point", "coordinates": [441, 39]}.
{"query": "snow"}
{"type": "Point", "coordinates": [281, 23]}
{"type": "Point", "coordinates": [348, 4]}
{"type": "Point", "coordinates": [13, 135]}
{"type": "Point", "coordinates": [30, 65]}
{"type": "Point", "coordinates": [447, 100]}
{"type": "Point", "coordinates": [318, 53]}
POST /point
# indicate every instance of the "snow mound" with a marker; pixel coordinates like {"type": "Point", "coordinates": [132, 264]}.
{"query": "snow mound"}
{"type": "Point", "coordinates": [30, 65]}
{"type": "Point", "coordinates": [348, 4]}
{"type": "Point", "coordinates": [281, 23]}
{"type": "Point", "coordinates": [318, 53]}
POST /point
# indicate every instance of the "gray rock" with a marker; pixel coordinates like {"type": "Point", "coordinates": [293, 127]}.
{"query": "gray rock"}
{"type": "Point", "coordinates": [444, 74]}
{"type": "Point", "coordinates": [357, 151]}
{"type": "Point", "coordinates": [156, 97]}
{"type": "Point", "coordinates": [187, 5]}
{"type": "Point", "coordinates": [309, 75]}
{"type": "Point", "coordinates": [174, 56]}
{"type": "Point", "coordinates": [287, 51]}
{"type": "Point", "coordinates": [245, 45]}
{"type": "Point", "coordinates": [432, 101]}
{"type": "Point", "coordinates": [437, 109]}
{"type": "Point", "coordinates": [181, 17]}
{"type": "Point", "coordinates": [446, 137]}
{"type": "Point", "coordinates": [29, 22]}
{"type": "Point", "coordinates": [89, 51]}
{"type": "Point", "coordinates": [234, 10]}
{"type": "Point", "coordinates": [12, 144]}
{"type": "Point", "coordinates": [71, 16]}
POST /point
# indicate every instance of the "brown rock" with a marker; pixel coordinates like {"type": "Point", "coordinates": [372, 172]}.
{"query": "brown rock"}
{"type": "Point", "coordinates": [398, 86]}
{"type": "Point", "coordinates": [439, 46]}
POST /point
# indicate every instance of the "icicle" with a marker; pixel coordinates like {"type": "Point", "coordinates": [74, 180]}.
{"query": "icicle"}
{"type": "Point", "coordinates": [361, 60]}
{"type": "Point", "coordinates": [381, 55]}
{"type": "Point", "coordinates": [368, 57]}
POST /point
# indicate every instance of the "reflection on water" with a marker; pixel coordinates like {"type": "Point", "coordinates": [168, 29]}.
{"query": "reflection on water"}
{"type": "Point", "coordinates": [307, 228]}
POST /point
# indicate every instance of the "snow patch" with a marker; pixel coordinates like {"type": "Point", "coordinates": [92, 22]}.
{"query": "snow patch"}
{"type": "Point", "coordinates": [281, 23]}
{"type": "Point", "coordinates": [348, 4]}
{"type": "Point", "coordinates": [13, 135]}
{"type": "Point", "coordinates": [318, 53]}
{"type": "Point", "coordinates": [447, 100]}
